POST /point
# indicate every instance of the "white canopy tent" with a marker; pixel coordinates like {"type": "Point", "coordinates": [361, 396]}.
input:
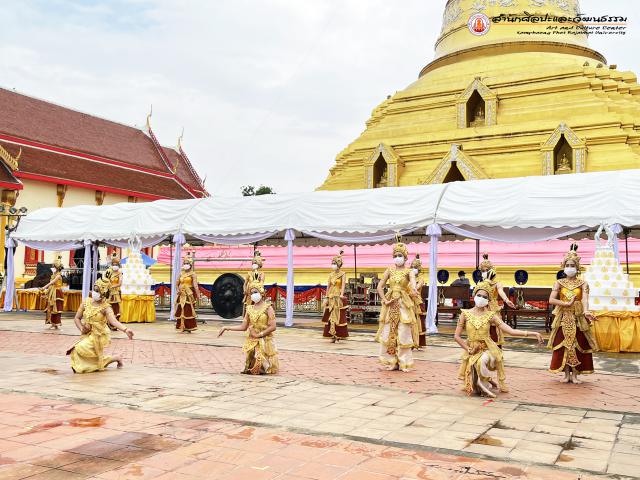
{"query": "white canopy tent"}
{"type": "Point", "coordinates": [509, 210]}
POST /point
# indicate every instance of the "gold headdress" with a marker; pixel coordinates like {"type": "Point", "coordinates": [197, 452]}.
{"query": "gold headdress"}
{"type": "Point", "coordinates": [483, 285]}
{"type": "Point", "coordinates": [257, 259]}
{"type": "Point", "coordinates": [115, 259]}
{"type": "Point", "coordinates": [58, 263]}
{"type": "Point", "coordinates": [257, 285]}
{"type": "Point", "coordinates": [572, 254]}
{"type": "Point", "coordinates": [416, 262]}
{"type": "Point", "coordinates": [338, 259]}
{"type": "Point", "coordinates": [486, 263]}
{"type": "Point", "coordinates": [103, 286]}
{"type": "Point", "coordinates": [400, 248]}
{"type": "Point", "coordinates": [188, 259]}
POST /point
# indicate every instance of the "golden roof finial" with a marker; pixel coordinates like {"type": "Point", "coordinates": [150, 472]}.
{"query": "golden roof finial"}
{"type": "Point", "coordinates": [10, 160]}
{"type": "Point", "coordinates": [149, 118]}
{"type": "Point", "coordinates": [179, 147]}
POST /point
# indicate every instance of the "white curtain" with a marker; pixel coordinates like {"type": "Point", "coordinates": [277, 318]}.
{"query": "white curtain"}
{"type": "Point", "coordinates": [9, 281]}
{"type": "Point", "coordinates": [289, 237]}
{"type": "Point", "coordinates": [435, 232]}
{"type": "Point", "coordinates": [86, 269]}
{"type": "Point", "coordinates": [235, 239]}
{"type": "Point", "coordinates": [512, 235]}
{"type": "Point", "coordinates": [179, 240]}
{"type": "Point", "coordinates": [94, 264]}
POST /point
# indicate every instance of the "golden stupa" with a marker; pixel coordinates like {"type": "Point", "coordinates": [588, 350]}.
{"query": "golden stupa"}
{"type": "Point", "coordinates": [501, 104]}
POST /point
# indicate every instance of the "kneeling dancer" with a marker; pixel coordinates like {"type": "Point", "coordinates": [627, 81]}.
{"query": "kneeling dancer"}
{"type": "Point", "coordinates": [482, 356]}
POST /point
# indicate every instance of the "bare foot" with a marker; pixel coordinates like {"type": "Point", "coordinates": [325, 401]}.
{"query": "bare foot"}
{"type": "Point", "coordinates": [391, 367]}
{"type": "Point", "coordinates": [566, 379]}
{"type": "Point", "coordinates": [406, 370]}
{"type": "Point", "coordinates": [333, 340]}
{"type": "Point", "coordinates": [575, 380]}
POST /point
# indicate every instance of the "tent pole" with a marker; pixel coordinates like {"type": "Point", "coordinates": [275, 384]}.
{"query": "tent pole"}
{"type": "Point", "coordinates": [626, 248]}
{"type": "Point", "coordinates": [170, 269]}
{"type": "Point", "coordinates": [355, 261]}
{"type": "Point", "coordinates": [477, 253]}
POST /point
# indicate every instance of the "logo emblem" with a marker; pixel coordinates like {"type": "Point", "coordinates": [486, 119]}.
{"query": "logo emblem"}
{"type": "Point", "coordinates": [479, 24]}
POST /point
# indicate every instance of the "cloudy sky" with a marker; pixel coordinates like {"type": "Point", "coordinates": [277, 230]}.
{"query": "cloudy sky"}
{"type": "Point", "coordinates": [268, 91]}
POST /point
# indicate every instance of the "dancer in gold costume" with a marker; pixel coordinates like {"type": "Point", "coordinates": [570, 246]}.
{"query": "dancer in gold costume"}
{"type": "Point", "coordinates": [92, 318]}
{"type": "Point", "coordinates": [260, 324]}
{"type": "Point", "coordinates": [335, 305]}
{"type": "Point", "coordinates": [481, 354]}
{"type": "Point", "coordinates": [54, 295]}
{"type": "Point", "coordinates": [421, 312]}
{"type": "Point", "coordinates": [571, 338]}
{"type": "Point", "coordinates": [255, 275]}
{"type": "Point", "coordinates": [187, 298]}
{"type": "Point", "coordinates": [397, 331]}
{"type": "Point", "coordinates": [114, 275]}
{"type": "Point", "coordinates": [489, 275]}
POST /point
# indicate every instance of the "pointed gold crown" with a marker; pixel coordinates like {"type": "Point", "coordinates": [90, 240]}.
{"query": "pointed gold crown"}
{"type": "Point", "coordinates": [400, 248]}
{"type": "Point", "coordinates": [338, 259]}
{"type": "Point", "coordinates": [572, 254]}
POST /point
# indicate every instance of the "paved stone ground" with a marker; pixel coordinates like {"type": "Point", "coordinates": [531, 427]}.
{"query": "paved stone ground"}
{"type": "Point", "coordinates": [331, 402]}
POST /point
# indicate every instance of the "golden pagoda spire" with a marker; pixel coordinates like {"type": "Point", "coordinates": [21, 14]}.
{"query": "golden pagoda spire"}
{"type": "Point", "coordinates": [478, 28]}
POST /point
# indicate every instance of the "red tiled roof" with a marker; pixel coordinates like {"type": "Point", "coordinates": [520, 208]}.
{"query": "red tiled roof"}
{"type": "Point", "coordinates": [45, 123]}
{"type": "Point", "coordinates": [65, 169]}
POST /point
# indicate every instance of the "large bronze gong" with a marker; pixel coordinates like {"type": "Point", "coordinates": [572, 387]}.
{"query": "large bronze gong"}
{"type": "Point", "coordinates": [227, 295]}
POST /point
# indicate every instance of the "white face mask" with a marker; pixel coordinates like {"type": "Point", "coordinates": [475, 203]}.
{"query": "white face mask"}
{"type": "Point", "coordinates": [415, 271]}
{"type": "Point", "coordinates": [481, 301]}
{"type": "Point", "coordinates": [485, 275]}
{"type": "Point", "coordinates": [255, 266]}
{"type": "Point", "coordinates": [96, 296]}
{"type": "Point", "coordinates": [186, 266]}
{"type": "Point", "coordinates": [334, 266]}
{"type": "Point", "coordinates": [255, 297]}
{"type": "Point", "coordinates": [399, 261]}
{"type": "Point", "coordinates": [570, 271]}
{"type": "Point", "coordinates": [116, 268]}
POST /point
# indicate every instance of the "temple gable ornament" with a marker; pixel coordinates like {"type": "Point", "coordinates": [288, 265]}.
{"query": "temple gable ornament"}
{"type": "Point", "coordinates": [456, 158]}
{"type": "Point", "coordinates": [563, 152]}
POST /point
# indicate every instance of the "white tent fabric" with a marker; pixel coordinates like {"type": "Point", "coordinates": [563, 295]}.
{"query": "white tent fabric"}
{"type": "Point", "coordinates": [511, 210]}
{"type": "Point", "coordinates": [530, 203]}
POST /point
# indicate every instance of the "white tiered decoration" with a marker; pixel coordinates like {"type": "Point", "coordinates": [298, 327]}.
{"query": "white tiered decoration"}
{"type": "Point", "coordinates": [136, 279]}
{"type": "Point", "coordinates": [610, 289]}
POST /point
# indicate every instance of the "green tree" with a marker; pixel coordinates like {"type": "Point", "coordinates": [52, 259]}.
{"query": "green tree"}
{"type": "Point", "coordinates": [250, 190]}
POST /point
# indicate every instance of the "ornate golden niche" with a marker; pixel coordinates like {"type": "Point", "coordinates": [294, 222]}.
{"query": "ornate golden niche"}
{"type": "Point", "coordinates": [477, 106]}
{"type": "Point", "coordinates": [563, 152]}
{"type": "Point", "coordinates": [383, 167]}
{"type": "Point", "coordinates": [455, 166]}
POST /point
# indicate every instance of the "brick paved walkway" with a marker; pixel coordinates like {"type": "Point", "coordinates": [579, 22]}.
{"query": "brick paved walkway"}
{"type": "Point", "coordinates": [606, 392]}
{"type": "Point", "coordinates": [48, 440]}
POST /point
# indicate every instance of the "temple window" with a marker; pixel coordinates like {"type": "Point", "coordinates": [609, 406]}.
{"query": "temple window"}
{"type": "Point", "coordinates": [476, 110]}
{"type": "Point", "coordinates": [380, 178]}
{"type": "Point", "coordinates": [563, 157]}
{"type": "Point", "coordinates": [563, 152]}
{"type": "Point", "coordinates": [477, 106]}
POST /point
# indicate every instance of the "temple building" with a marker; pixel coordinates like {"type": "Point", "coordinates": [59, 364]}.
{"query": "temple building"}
{"type": "Point", "coordinates": [52, 156]}
{"type": "Point", "coordinates": [499, 104]}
